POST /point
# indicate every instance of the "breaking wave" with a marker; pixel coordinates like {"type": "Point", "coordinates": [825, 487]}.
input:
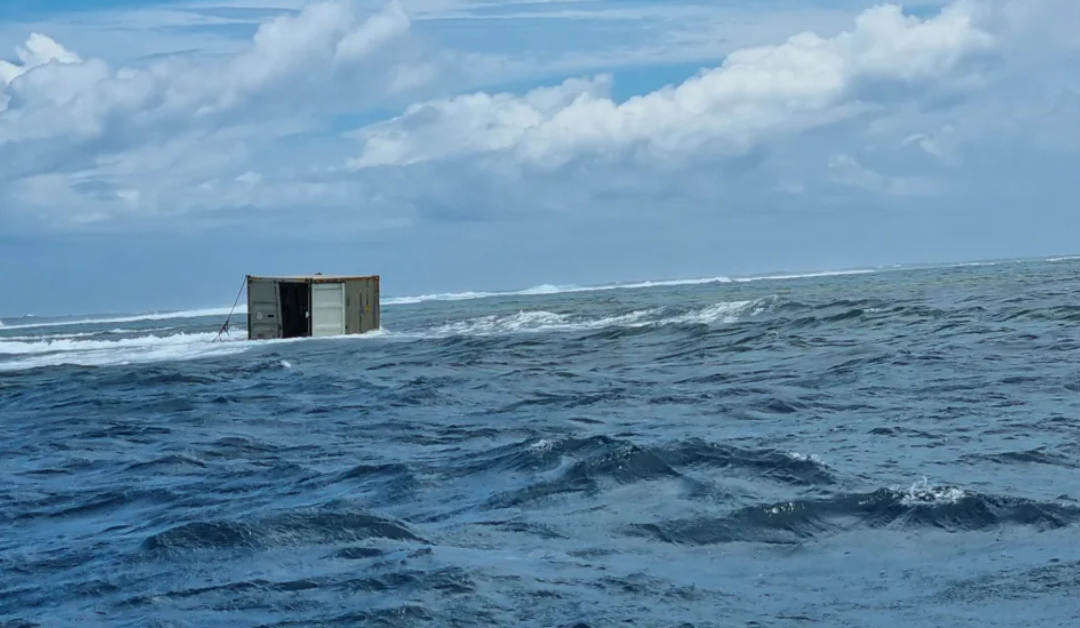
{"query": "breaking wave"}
{"type": "Point", "coordinates": [22, 355]}
{"type": "Point", "coordinates": [135, 318]}
{"type": "Point", "coordinates": [947, 508]}
{"type": "Point", "coordinates": [544, 321]}
{"type": "Point", "coordinates": [75, 343]}
{"type": "Point", "coordinates": [550, 289]}
{"type": "Point", "coordinates": [585, 466]}
{"type": "Point", "coordinates": [285, 529]}
{"type": "Point", "coordinates": [541, 290]}
{"type": "Point", "coordinates": [91, 349]}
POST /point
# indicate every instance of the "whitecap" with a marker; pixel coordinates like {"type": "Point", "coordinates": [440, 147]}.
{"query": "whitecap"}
{"type": "Point", "coordinates": [538, 321]}
{"type": "Point", "coordinates": [922, 493]}
{"type": "Point", "coordinates": [151, 316]}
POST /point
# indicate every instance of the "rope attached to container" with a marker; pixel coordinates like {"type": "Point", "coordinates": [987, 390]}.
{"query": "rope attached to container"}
{"type": "Point", "coordinates": [225, 327]}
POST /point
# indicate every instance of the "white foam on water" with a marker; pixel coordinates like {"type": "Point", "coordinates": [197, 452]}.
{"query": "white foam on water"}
{"type": "Point", "coordinates": [726, 312]}
{"type": "Point", "coordinates": [89, 349]}
{"type": "Point", "coordinates": [76, 345]}
{"type": "Point", "coordinates": [537, 321]}
{"type": "Point", "coordinates": [549, 289]}
{"type": "Point", "coordinates": [42, 352]}
{"type": "Point", "coordinates": [152, 316]}
{"type": "Point", "coordinates": [794, 455]}
{"type": "Point", "coordinates": [75, 335]}
{"type": "Point", "coordinates": [781, 508]}
{"type": "Point", "coordinates": [822, 274]}
{"type": "Point", "coordinates": [541, 445]}
{"type": "Point", "coordinates": [921, 493]}
{"type": "Point", "coordinates": [532, 321]}
{"type": "Point", "coordinates": [541, 290]}
{"type": "Point", "coordinates": [25, 338]}
{"type": "Point", "coordinates": [137, 350]}
{"type": "Point", "coordinates": [449, 296]}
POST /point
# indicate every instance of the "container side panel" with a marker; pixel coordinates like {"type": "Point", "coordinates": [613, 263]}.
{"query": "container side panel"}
{"type": "Point", "coordinates": [353, 308]}
{"type": "Point", "coordinates": [327, 309]}
{"type": "Point", "coordinates": [370, 315]}
{"type": "Point", "coordinates": [263, 316]}
{"type": "Point", "coordinates": [377, 303]}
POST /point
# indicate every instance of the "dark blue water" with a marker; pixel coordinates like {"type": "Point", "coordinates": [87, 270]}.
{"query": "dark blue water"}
{"type": "Point", "coordinates": [891, 449]}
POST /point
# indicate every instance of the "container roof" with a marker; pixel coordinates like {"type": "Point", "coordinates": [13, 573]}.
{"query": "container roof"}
{"type": "Point", "coordinates": [317, 278]}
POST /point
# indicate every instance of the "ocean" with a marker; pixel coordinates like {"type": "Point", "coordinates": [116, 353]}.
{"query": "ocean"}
{"type": "Point", "coordinates": [897, 447]}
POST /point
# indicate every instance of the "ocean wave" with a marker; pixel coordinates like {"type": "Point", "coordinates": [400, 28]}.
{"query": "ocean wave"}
{"type": "Point", "coordinates": [595, 461]}
{"type": "Point", "coordinates": [22, 355]}
{"type": "Point", "coordinates": [104, 333]}
{"type": "Point", "coordinates": [134, 318]}
{"type": "Point", "coordinates": [539, 290]}
{"type": "Point", "coordinates": [30, 352]}
{"type": "Point", "coordinates": [784, 467]}
{"type": "Point", "coordinates": [550, 467]}
{"type": "Point", "coordinates": [553, 289]}
{"type": "Point", "coordinates": [920, 506]}
{"type": "Point", "coordinates": [77, 344]}
{"type": "Point", "coordinates": [550, 289]}
{"type": "Point", "coordinates": [1036, 456]}
{"type": "Point", "coordinates": [536, 321]}
{"type": "Point", "coordinates": [289, 528]}
{"type": "Point", "coordinates": [100, 348]}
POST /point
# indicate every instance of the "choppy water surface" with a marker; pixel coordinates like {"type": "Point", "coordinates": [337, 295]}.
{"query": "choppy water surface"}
{"type": "Point", "coordinates": [890, 449]}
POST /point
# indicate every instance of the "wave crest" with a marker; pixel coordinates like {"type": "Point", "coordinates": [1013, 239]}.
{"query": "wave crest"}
{"type": "Point", "coordinates": [292, 528]}
{"type": "Point", "coordinates": [537, 321]}
{"type": "Point", "coordinates": [920, 506]}
{"type": "Point", "coordinates": [546, 468]}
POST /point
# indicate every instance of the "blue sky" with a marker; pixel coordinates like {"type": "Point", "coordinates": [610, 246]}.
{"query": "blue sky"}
{"type": "Point", "coordinates": [158, 151]}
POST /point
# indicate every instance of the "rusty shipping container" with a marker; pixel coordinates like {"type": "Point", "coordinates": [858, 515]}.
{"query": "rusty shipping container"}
{"type": "Point", "coordinates": [312, 306]}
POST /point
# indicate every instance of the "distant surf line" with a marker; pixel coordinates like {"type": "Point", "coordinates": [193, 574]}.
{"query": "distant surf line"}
{"type": "Point", "coordinates": [540, 290]}
{"type": "Point", "coordinates": [20, 353]}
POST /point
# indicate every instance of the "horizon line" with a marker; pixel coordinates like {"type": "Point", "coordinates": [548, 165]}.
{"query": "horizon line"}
{"type": "Point", "coordinates": [551, 289]}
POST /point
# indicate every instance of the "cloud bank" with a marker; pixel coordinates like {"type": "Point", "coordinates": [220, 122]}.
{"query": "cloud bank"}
{"type": "Point", "coordinates": [755, 94]}
{"type": "Point", "coordinates": [89, 142]}
{"type": "Point", "coordinates": [355, 114]}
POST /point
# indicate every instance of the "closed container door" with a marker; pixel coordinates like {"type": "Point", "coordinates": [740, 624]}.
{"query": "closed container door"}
{"type": "Point", "coordinates": [327, 309]}
{"type": "Point", "coordinates": [263, 319]}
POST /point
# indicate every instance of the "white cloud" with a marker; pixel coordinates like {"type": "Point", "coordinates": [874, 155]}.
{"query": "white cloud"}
{"type": "Point", "coordinates": [509, 40]}
{"type": "Point", "coordinates": [38, 51]}
{"type": "Point", "coordinates": [66, 120]}
{"type": "Point", "coordinates": [888, 106]}
{"type": "Point", "coordinates": [324, 39]}
{"type": "Point", "coordinates": [469, 124]}
{"type": "Point", "coordinates": [289, 58]}
{"type": "Point", "coordinates": [757, 93]}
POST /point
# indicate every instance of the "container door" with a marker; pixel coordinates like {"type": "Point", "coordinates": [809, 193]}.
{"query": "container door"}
{"type": "Point", "coordinates": [294, 309]}
{"type": "Point", "coordinates": [327, 309]}
{"type": "Point", "coordinates": [263, 319]}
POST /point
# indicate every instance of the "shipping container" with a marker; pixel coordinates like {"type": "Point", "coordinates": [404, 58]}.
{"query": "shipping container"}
{"type": "Point", "coordinates": [312, 306]}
